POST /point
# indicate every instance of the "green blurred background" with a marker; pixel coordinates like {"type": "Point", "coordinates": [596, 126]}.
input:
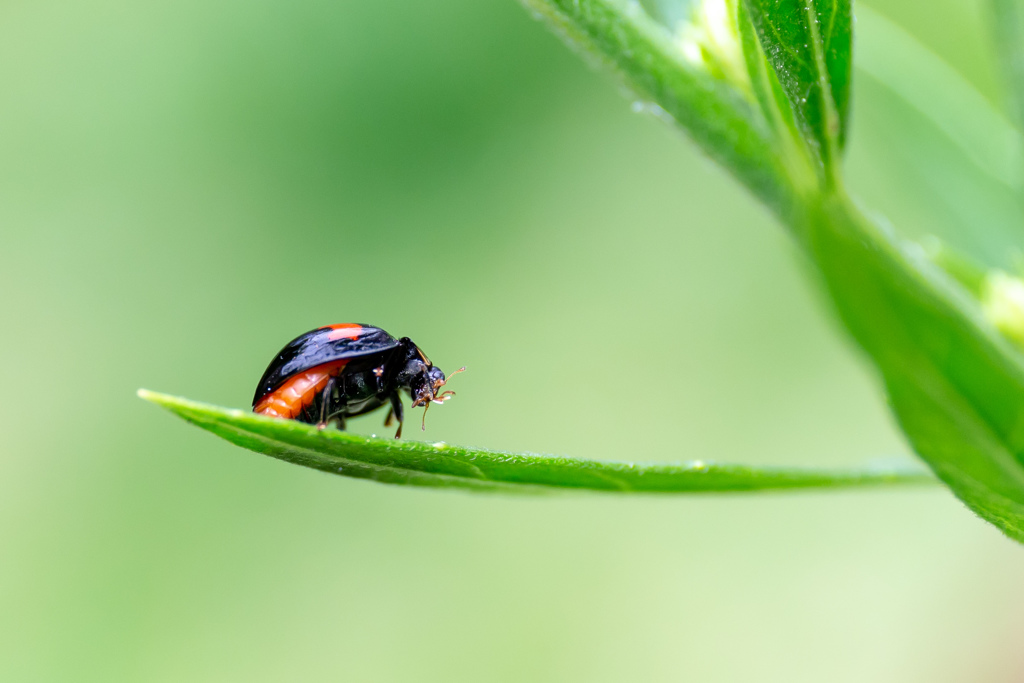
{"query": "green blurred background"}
{"type": "Point", "coordinates": [185, 186]}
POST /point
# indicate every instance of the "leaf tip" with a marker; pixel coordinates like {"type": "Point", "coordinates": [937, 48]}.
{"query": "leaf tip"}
{"type": "Point", "coordinates": [153, 397]}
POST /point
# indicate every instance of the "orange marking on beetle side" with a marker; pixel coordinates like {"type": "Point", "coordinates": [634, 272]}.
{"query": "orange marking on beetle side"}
{"type": "Point", "coordinates": [343, 331]}
{"type": "Point", "coordinates": [299, 391]}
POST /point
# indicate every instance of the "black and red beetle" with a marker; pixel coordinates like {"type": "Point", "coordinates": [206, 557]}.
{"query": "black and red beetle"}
{"type": "Point", "coordinates": [340, 371]}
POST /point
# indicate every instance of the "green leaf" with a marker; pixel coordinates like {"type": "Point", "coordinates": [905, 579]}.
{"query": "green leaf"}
{"type": "Point", "coordinates": [774, 104]}
{"type": "Point", "coordinates": [808, 43]}
{"type": "Point", "coordinates": [441, 465]}
{"type": "Point", "coordinates": [956, 384]}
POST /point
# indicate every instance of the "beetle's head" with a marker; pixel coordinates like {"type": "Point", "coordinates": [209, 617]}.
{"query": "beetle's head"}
{"type": "Point", "coordinates": [424, 383]}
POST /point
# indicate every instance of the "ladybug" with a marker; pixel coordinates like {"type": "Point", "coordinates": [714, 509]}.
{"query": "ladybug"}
{"type": "Point", "coordinates": [340, 371]}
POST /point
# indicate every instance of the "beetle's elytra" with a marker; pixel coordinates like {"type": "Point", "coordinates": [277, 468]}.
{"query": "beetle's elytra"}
{"type": "Point", "coordinates": [340, 371]}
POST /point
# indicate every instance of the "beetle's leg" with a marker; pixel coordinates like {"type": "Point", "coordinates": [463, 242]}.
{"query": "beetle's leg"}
{"type": "Point", "coordinates": [397, 411]}
{"type": "Point", "coordinates": [337, 419]}
{"type": "Point", "coordinates": [325, 399]}
{"type": "Point", "coordinates": [390, 417]}
{"type": "Point", "coordinates": [378, 373]}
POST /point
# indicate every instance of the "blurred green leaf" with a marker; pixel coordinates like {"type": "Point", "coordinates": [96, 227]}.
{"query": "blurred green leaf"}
{"type": "Point", "coordinates": [928, 131]}
{"type": "Point", "coordinates": [939, 94]}
{"type": "Point", "coordinates": [808, 44]}
{"type": "Point", "coordinates": [440, 465]}
{"type": "Point", "coordinates": [968, 273]}
{"type": "Point", "coordinates": [905, 164]}
{"type": "Point", "coordinates": [1007, 20]}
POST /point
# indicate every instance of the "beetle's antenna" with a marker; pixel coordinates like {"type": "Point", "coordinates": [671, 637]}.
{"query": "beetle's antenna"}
{"type": "Point", "coordinates": [449, 377]}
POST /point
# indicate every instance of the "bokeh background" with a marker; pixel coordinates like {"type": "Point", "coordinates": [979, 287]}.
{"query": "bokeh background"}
{"type": "Point", "coordinates": [185, 186]}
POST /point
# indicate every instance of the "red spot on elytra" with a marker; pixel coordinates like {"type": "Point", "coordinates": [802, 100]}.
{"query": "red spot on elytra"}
{"type": "Point", "coordinates": [343, 331]}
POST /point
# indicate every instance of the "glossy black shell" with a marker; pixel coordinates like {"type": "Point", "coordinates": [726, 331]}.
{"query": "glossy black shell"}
{"type": "Point", "coordinates": [316, 348]}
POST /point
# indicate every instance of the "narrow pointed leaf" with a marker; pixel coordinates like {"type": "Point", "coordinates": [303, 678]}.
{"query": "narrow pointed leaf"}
{"type": "Point", "coordinates": [808, 43]}
{"type": "Point", "coordinates": [774, 104]}
{"type": "Point", "coordinates": [441, 465]}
